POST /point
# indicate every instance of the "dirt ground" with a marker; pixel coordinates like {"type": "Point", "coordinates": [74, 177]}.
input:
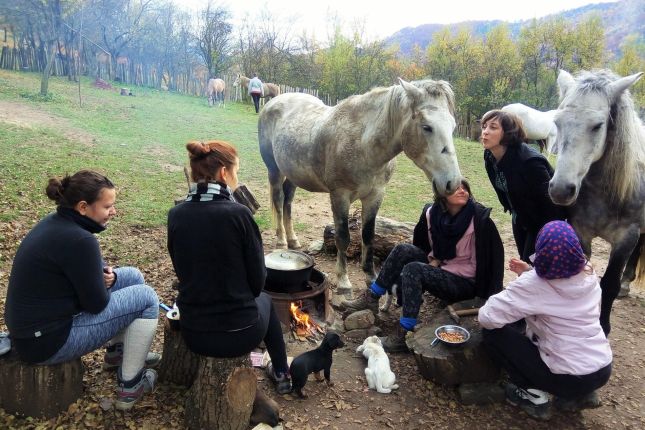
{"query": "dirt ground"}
{"type": "Point", "coordinates": [418, 404]}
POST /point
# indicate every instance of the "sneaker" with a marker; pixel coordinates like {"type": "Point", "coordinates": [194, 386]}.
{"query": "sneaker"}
{"type": "Point", "coordinates": [365, 300]}
{"type": "Point", "coordinates": [588, 401]}
{"type": "Point", "coordinates": [282, 382]}
{"type": "Point", "coordinates": [5, 343]}
{"type": "Point", "coordinates": [128, 392]}
{"type": "Point", "coordinates": [534, 402]}
{"type": "Point", "coordinates": [114, 357]}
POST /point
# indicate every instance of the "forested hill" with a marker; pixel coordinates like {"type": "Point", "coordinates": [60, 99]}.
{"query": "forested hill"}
{"type": "Point", "coordinates": [619, 19]}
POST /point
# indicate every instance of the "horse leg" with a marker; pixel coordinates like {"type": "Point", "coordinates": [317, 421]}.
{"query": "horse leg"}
{"type": "Point", "coordinates": [277, 201]}
{"type": "Point", "coordinates": [610, 282]}
{"type": "Point", "coordinates": [340, 207]}
{"type": "Point", "coordinates": [369, 209]}
{"type": "Point", "coordinates": [289, 191]}
{"type": "Point", "coordinates": [630, 268]}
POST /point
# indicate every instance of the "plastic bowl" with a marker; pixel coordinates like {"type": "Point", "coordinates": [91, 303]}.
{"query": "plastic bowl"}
{"type": "Point", "coordinates": [452, 329]}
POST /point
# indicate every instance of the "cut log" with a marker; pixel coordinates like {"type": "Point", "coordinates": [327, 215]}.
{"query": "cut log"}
{"type": "Point", "coordinates": [39, 391]}
{"type": "Point", "coordinates": [388, 233]}
{"type": "Point", "coordinates": [243, 195]}
{"type": "Point", "coordinates": [222, 395]}
{"type": "Point", "coordinates": [452, 364]}
{"type": "Point", "coordinates": [178, 363]}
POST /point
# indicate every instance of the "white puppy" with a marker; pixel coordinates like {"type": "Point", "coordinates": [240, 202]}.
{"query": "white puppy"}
{"type": "Point", "coordinates": [378, 374]}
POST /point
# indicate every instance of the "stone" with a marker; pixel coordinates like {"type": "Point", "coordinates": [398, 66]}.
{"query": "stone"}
{"type": "Point", "coordinates": [362, 333]}
{"type": "Point", "coordinates": [359, 319]}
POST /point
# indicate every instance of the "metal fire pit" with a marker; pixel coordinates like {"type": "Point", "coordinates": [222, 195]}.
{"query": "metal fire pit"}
{"type": "Point", "coordinates": [315, 300]}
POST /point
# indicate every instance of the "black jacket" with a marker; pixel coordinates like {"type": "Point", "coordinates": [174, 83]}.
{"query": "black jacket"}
{"type": "Point", "coordinates": [527, 174]}
{"type": "Point", "coordinates": [489, 251]}
{"type": "Point", "coordinates": [216, 250]}
{"type": "Point", "coordinates": [57, 272]}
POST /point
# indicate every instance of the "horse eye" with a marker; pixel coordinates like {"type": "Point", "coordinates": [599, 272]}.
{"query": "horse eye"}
{"type": "Point", "coordinates": [597, 127]}
{"type": "Point", "coordinates": [427, 128]}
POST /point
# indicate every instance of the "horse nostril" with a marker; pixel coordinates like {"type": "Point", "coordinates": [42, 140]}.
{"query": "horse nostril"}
{"type": "Point", "coordinates": [570, 189]}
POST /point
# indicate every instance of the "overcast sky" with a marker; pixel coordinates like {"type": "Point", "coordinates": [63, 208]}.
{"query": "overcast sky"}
{"type": "Point", "coordinates": [383, 18]}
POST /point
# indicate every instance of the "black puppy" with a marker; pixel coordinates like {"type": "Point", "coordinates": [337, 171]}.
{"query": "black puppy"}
{"type": "Point", "coordinates": [313, 362]}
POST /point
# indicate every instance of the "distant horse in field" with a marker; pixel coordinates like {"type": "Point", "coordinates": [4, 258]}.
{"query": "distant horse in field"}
{"type": "Point", "coordinates": [600, 172]}
{"type": "Point", "coordinates": [538, 125]}
{"type": "Point", "coordinates": [215, 91]}
{"type": "Point", "coordinates": [270, 90]}
{"type": "Point", "coordinates": [348, 151]}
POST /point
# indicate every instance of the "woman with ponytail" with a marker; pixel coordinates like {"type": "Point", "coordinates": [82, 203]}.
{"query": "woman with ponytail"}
{"type": "Point", "coordinates": [63, 301]}
{"type": "Point", "coordinates": [216, 250]}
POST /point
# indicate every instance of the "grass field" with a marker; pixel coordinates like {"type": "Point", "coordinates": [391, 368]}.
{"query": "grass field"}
{"type": "Point", "coordinates": [139, 142]}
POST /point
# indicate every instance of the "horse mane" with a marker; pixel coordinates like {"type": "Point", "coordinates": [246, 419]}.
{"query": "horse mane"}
{"type": "Point", "coordinates": [624, 155]}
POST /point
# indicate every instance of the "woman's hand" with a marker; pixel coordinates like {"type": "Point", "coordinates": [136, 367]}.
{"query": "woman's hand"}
{"type": "Point", "coordinates": [518, 266]}
{"type": "Point", "coordinates": [108, 276]}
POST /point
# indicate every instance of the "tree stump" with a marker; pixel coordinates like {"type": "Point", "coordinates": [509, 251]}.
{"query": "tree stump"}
{"type": "Point", "coordinates": [452, 364]}
{"type": "Point", "coordinates": [222, 395]}
{"type": "Point", "coordinates": [178, 363]}
{"type": "Point", "coordinates": [243, 195]}
{"type": "Point", "coordinates": [388, 233]}
{"type": "Point", "coordinates": [39, 391]}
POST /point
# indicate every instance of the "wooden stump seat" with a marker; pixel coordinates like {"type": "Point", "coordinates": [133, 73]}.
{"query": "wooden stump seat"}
{"type": "Point", "coordinates": [452, 364]}
{"type": "Point", "coordinates": [222, 390]}
{"type": "Point", "coordinates": [39, 391]}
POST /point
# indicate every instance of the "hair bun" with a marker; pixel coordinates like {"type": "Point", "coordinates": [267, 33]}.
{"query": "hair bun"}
{"type": "Point", "coordinates": [197, 149]}
{"type": "Point", "coordinates": [56, 188]}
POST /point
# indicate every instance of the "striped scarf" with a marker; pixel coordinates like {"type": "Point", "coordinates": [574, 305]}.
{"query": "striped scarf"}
{"type": "Point", "coordinates": [206, 192]}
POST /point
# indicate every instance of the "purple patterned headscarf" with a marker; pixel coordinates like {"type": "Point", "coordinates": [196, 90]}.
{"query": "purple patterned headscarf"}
{"type": "Point", "coordinates": [558, 253]}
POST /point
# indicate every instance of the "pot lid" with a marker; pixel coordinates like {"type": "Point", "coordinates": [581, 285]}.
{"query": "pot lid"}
{"type": "Point", "coordinates": [286, 259]}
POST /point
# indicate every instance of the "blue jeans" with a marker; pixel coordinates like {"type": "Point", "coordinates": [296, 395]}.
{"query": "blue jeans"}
{"type": "Point", "coordinates": [130, 299]}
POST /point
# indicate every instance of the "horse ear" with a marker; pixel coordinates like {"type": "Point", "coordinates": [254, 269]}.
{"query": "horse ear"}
{"type": "Point", "coordinates": [412, 91]}
{"type": "Point", "coordinates": [617, 87]}
{"type": "Point", "coordinates": [565, 82]}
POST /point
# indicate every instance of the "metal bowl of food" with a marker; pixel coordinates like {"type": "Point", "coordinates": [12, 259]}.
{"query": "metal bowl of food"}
{"type": "Point", "coordinates": [452, 334]}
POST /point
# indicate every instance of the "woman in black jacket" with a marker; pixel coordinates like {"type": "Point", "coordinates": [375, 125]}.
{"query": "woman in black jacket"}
{"type": "Point", "coordinates": [216, 250]}
{"type": "Point", "coordinates": [520, 176]}
{"type": "Point", "coordinates": [456, 254]}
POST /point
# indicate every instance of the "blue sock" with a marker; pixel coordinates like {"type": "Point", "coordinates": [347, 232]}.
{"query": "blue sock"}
{"type": "Point", "coordinates": [408, 323]}
{"type": "Point", "coordinates": [377, 290]}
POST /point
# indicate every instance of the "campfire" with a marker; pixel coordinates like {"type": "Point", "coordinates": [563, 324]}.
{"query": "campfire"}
{"type": "Point", "coordinates": [303, 326]}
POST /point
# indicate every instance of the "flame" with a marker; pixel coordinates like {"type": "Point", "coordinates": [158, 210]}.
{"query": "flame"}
{"type": "Point", "coordinates": [301, 318]}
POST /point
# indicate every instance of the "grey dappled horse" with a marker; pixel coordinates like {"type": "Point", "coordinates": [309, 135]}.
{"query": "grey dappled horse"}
{"type": "Point", "coordinates": [348, 151]}
{"type": "Point", "coordinates": [600, 171]}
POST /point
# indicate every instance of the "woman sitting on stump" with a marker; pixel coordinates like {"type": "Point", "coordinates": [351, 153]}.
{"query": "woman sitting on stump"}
{"type": "Point", "coordinates": [456, 254]}
{"type": "Point", "coordinates": [564, 351]}
{"type": "Point", "coordinates": [63, 301]}
{"type": "Point", "coordinates": [216, 250]}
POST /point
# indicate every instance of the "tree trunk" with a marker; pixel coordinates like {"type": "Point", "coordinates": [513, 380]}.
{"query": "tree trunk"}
{"type": "Point", "coordinates": [44, 83]}
{"type": "Point", "coordinates": [222, 396]}
{"type": "Point", "coordinates": [39, 391]}
{"type": "Point", "coordinates": [178, 363]}
{"type": "Point", "coordinates": [387, 235]}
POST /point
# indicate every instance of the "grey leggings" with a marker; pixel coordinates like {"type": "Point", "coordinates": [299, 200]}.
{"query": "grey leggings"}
{"type": "Point", "coordinates": [130, 299]}
{"type": "Point", "coordinates": [407, 266]}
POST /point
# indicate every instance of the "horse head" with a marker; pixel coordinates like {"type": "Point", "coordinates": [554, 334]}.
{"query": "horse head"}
{"type": "Point", "coordinates": [584, 119]}
{"type": "Point", "coordinates": [236, 82]}
{"type": "Point", "coordinates": [427, 136]}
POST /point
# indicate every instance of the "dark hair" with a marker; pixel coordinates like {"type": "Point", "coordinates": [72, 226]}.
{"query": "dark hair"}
{"type": "Point", "coordinates": [207, 158]}
{"type": "Point", "coordinates": [442, 200]}
{"type": "Point", "coordinates": [512, 126]}
{"type": "Point", "coordinates": [85, 185]}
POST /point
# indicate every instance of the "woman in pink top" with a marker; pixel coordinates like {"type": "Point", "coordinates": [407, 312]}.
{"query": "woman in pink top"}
{"type": "Point", "coordinates": [564, 351]}
{"type": "Point", "coordinates": [456, 254]}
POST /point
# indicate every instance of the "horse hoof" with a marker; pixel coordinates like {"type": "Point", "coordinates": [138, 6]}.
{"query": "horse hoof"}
{"type": "Point", "coordinates": [624, 291]}
{"type": "Point", "coordinates": [294, 244]}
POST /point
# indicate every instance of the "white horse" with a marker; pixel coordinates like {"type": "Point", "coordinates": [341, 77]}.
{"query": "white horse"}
{"type": "Point", "coordinates": [538, 125]}
{"type": "Point", "coordinates": [348, 151]}
{"type": "Point", "coordinates": [215, 91]}
{"type": "Point", "coordinates": [600, 172]}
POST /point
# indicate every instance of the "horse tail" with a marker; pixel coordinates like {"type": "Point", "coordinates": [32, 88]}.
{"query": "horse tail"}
{"type": "Point", "coordinates": [640, 267]}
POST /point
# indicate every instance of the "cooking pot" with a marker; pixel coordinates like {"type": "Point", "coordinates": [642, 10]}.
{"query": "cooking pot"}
{"type": "Point", "coordinates": [288, 271]}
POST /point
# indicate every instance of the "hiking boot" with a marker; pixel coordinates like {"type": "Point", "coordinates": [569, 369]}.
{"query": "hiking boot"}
{"type": "Point", "coordinates": [114, 357]}
{"type": "Point", "coordinates": [365, 300]}
{"type": "Point", "coordinates": [534, 402]}
{"type": "Point", "coordinates": [128, 392]}
{"type": "Point", "coordinates": [396, 341]}
{"type": "Point", "coordinates": [588, 401]}
{"type": "Point", "coordinates": [282, 381]}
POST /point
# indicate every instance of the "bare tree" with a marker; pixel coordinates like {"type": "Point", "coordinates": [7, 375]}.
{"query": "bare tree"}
{"type": "Point", "coordinates": [214, 38]}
